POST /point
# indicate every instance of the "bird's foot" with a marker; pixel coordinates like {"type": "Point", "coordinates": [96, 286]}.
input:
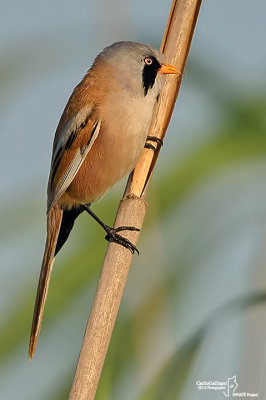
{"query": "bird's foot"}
{"type": "Point", "coordinates": [113, 236]}
{"type": "Point", "coordinates": [154, 139]}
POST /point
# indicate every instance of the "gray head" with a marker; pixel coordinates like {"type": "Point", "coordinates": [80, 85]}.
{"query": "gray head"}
{"type": "Point", "coordinates": [138, 64]}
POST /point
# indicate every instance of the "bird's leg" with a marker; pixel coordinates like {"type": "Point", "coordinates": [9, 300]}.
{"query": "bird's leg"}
{"type": "Point", "coordinates": [153, 139]}
{"type": "Point", "coordinates": [112, 233]}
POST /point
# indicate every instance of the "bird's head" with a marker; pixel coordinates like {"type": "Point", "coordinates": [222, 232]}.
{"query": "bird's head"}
{"type": "Point", "coordinates": [139, 67]}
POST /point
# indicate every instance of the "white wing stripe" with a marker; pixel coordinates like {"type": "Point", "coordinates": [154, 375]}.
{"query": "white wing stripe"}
{"type": "Point", "coordinates": [74, 166]}
{"type": "Point", "coordinates": [73, 124]}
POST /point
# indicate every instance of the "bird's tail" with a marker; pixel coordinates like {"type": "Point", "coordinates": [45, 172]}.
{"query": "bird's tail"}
{"type": "Point", "coordinates": [54, 218]}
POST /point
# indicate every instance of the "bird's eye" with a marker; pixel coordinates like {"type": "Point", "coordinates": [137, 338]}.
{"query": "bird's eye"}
{"type": "Point", "coordinates": [148, 60]}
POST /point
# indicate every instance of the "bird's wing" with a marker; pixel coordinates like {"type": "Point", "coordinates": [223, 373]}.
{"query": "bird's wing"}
{"type": "Point", "coordinates": [71, 147]}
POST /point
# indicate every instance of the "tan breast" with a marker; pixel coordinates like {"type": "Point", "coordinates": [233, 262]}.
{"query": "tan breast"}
{"type": "Point", "coordinates": [125, 119]}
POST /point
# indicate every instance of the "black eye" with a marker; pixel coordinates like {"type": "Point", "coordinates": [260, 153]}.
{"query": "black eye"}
{"type": "Point", "coordinates": [148, 60]}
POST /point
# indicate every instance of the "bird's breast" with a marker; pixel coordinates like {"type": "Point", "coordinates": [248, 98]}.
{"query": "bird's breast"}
{"type": "Point", "coordinates": [115, 152]}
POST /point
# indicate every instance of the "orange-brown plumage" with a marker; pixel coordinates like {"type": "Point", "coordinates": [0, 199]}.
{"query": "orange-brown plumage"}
{"type": "Point", "coordinates": [54, 218]}
{"type": "Point", "coordinates": [99, 138]}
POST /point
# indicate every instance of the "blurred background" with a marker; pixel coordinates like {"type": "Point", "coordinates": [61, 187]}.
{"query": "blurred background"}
{"type": "Point", "coordinates": [194, 305]}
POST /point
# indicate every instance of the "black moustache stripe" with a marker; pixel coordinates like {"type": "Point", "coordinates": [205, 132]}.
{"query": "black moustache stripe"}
{"type": "Point", "coordinates": [149, 74]}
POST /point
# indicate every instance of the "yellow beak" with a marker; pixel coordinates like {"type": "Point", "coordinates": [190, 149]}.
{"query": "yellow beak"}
{"type": "Point", "coordinates": [169, 69]}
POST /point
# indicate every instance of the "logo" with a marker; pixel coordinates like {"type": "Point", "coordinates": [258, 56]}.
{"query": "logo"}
{"type": "Point", "coordinates": [231, 386]}
{"type": "Point", "coordinates": [227, 388]}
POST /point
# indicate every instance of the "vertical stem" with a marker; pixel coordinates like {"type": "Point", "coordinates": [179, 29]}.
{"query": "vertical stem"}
{"type": "Point", "coordinates": [131, 212]}
{"type": "Point", "coordinates": [106, 303]}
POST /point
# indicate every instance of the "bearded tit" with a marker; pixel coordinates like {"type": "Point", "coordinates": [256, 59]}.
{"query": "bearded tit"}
{"type": "Point", "coordinates": [99, 139]}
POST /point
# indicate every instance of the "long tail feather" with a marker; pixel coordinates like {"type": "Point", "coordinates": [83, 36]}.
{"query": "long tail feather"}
{"type": "Point", "coordinates": [54, 218]}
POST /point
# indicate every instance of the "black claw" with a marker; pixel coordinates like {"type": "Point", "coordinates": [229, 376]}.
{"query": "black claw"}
{"type": "Point", "coordinates": [113, 236]}
{"type": "Point", "coordinates": [126, 228]}
{"type": "Point", "coordinates": [155, 139]}
{"type": "Point", "coordinates": [149, 146]}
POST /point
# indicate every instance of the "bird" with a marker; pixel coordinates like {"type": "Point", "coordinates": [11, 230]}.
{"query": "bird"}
{"type": "Point", "coordinates": [99, 138]}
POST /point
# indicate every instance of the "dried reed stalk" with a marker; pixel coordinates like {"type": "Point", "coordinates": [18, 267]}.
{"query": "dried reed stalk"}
{"type": "Point", "coordinates": [131, 211]}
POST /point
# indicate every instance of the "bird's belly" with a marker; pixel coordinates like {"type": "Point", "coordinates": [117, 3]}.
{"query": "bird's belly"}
{"type": "Point", "coordinates": [109, 160]}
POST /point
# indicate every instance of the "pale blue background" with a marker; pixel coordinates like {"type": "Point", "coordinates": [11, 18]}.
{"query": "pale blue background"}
{"type": "Point", "coordinates": [45, 49]}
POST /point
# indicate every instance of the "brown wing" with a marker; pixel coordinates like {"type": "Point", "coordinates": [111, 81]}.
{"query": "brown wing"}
{"type": "Point", "coordinates": [70, 150]}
